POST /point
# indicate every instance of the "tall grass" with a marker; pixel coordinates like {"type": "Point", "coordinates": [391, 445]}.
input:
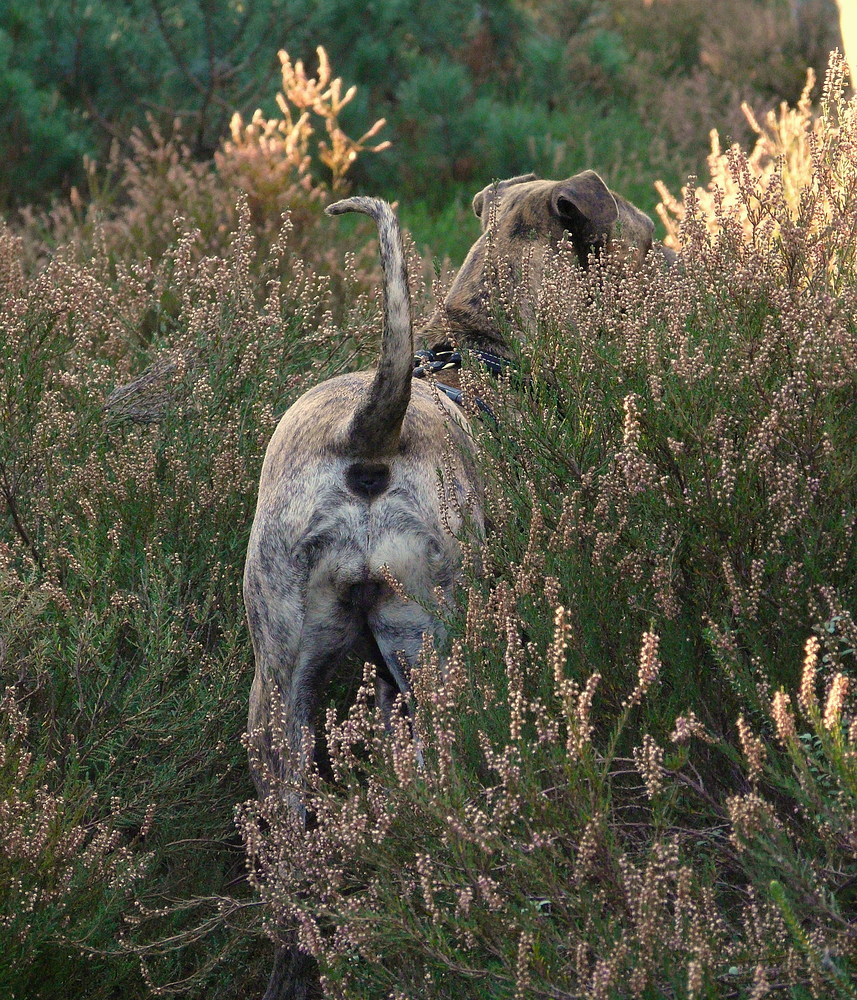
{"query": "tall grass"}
{"type": "Point", "coordinates": [640, 758]}
{"type": "Point", "coordinates": [640, 746]}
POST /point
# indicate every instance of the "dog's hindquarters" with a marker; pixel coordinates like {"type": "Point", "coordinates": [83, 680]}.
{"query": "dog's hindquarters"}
{"type": "Point", "coordinates": [332, 574]}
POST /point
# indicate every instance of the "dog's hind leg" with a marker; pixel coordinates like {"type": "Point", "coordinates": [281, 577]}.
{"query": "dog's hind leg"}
{"type": "Point", "coordinates": [293, 712]}
{"type": "Point", "coordinates": [294, 976]}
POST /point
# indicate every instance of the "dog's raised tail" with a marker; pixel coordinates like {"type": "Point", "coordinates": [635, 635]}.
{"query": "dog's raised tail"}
{"type": "Point", "coordinates": [377, 421]}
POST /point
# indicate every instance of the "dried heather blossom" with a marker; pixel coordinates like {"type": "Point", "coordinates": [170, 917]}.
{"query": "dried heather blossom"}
{"type": "Point", "coordinates": [694, 979]}
{"type": "Point", "coordinates": [754, 750]}
{"type": "Point", "coordinates": [631, 431]}
{"type": "Point", "coordinates": [806, 696]}
{"type": "Point", "coordinates": [648, 669]}
{"type": "Point", "coordinates": [761, 986]}
{"type": "Point", "coordinates": [580, 727]}
{"type": "Point", "coordinates": [783, 719]}
{"type": "Point", "coordinates": [428, 886]}
{"type": "Point", "coordinates": [558, 648]}
{"type": "Point", "coordinates": [649, 759]}
{"type": "Point", "coordinates": [522, 965]}
{"type": "Point", "coordinates": [607, 972]}
{"type": "Point", "coordinates": [835, 701]}
{"type": "Point", "coordinates": [551, 590]}
{"type": "Point", "coordinates": [635, 467]}
{"type": "Point", "coordinates": [749, 815]}
{"type": "Point", "coordinates": [587, 847]}
{"type": "Point", "coordinates": [732, 586]}
{"type": "Point", "coordinates": [687, 726]}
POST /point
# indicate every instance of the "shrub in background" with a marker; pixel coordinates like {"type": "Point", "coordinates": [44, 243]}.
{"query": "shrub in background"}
{"type": "Point", "coordinates": [269, 159]}
{"type": "Point", "coordinates": [44, 139]}
{"type": "Point", "coordinates": [284, 164]}
{"type": "Point", "coordinates": [796, 187]}
{"type": "Point", "coordinates": [704, 62]}
{"type": "Point", "coordinates": [109, 70]}
{"type": "Point", "coordinates": [77, 79]}
{"type": "Point", "coordinates": [101, 69]}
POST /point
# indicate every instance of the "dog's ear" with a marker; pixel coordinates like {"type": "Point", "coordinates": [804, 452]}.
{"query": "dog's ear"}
{"type": "Point", "coordinates": [479, 200]}
{"type": "Point", "coordinates": [585, 207]}
{"type": "Point", "coordinates": [482, 200]}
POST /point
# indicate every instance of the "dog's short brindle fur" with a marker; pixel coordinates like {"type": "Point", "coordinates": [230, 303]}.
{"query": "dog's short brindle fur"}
{"type": "Point", "coordinates": [348, 498]}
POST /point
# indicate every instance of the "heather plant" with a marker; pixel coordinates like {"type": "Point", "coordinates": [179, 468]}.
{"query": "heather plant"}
{"type": "Point", "coordinates": [122, 636]}
{"type": "Point", "coordinates": [684, 65]}
{"type": "Point", "coordinates": [271, 159]}
{"type": "Point", "coordinates": [283, 165]}
{"type": "Point", "coordinates": [59, 862]}
{"type": "Point", "coordinates": [537, 861]}
{"type": "Point", "coordinates": [630, 786]}
{"type": "Point", "coordinates": [794, 189]}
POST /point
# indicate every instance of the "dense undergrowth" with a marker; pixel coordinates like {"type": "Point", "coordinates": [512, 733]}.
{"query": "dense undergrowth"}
{"type": "Point", "coordinates": [640, 773]}
{"type": "Point", "coordinates": [640, 753]}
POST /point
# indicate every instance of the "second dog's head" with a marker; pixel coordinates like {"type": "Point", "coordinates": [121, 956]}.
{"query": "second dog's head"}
{"type": "Point", "coordinates": [523, 221]}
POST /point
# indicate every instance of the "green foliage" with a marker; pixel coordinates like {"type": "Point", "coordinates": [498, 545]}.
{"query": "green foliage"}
{"type": "Point", "coordinates": [203, 61]}
{"type": "Point", "coordinates": [44, 139]}
{"type": "Point", "coordinates": [608, 51]}
{"type": "Point", "coordinates": [122, 627]}
{"type": "Point", "coordinates": [616, 799]}
{"type": "Point", "coordinates": [468, 92]}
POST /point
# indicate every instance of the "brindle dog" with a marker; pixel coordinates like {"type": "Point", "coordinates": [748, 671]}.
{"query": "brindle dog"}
{"type": "Point", "coordinates": [348, 499]}
{"type": "Point", "coordinates": [348, 493]}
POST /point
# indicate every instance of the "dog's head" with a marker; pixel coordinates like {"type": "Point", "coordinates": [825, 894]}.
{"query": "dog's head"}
{"type": "Point", "coordinates": [525, 218]}
{"type": "Point", "coordinates": [525, 209]}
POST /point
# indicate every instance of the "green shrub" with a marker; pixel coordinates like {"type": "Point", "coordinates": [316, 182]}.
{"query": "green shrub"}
{"type": "Point", "coordinates": [44, 140]}
{"type": "Point", "coordinates": [63, 871]}
{"type": "Point", "coordinates": [109, 71]}
{"type": "Point", "coordinates": [79, 77]}
{"type": "Point", "coordinates": [73, 80]}
{"type": "Point", "coordinates": [618, 799]}
{"type": "Point", "coordinates": [122, 632]}
{"type": "Point", "coordinates": [287, 164]}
